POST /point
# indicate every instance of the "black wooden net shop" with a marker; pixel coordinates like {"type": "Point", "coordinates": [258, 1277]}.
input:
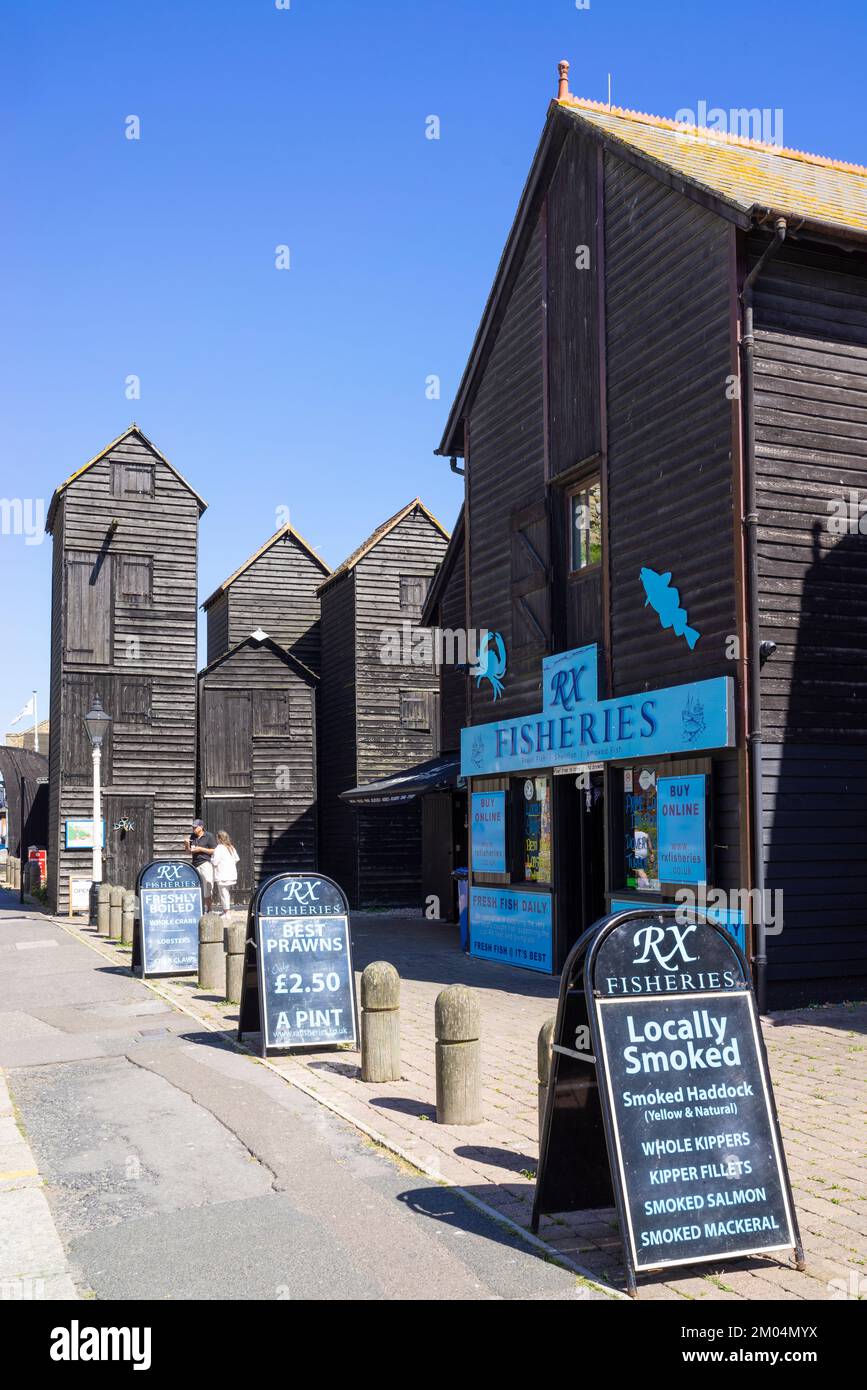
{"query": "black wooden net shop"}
{"type": "Point", "coordinates": [123, 627]}
{"type": "Point", "coordinates": [661, 428]}
{"type": "Point", "coordinates": [257, 758]}
{"type": "Point", "coordinates": [378, 707]}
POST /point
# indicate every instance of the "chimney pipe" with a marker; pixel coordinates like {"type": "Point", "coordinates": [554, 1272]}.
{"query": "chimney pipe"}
{"type": "Point", "coordinates": [563, 92]}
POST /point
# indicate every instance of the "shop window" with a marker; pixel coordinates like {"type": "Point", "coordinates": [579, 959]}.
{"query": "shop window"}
{"type": "Point", "coordinates": [585, 526]}
{"type": "Point", "coordinates": [640, 842]}
{"type": "Point", "coordinates": [536, 837]}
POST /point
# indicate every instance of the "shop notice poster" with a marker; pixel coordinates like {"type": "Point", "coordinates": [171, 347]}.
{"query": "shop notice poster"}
{"type": "Point", "coordinates": [681, 829]}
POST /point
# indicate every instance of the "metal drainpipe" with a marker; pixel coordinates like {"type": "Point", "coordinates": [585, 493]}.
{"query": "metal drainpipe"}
{"type": "Point", "coordinates": [751, 523]}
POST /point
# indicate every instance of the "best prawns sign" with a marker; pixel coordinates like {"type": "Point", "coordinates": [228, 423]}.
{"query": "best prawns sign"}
{"type": "Point", "coordinates": [298, 980]}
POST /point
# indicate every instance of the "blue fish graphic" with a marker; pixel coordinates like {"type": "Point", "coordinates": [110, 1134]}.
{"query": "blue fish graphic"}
{"type": "Point", "coordinates": [666, 602]}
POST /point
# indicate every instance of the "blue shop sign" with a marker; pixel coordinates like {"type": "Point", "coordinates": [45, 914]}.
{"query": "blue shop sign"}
{"type": "Point", "coordinates": [681, 829]}
{"type": "Point", "coordinates": [569, 679]}
{"type": "Point", "coordinates": [674, 719]}
{"type": "Point", "coordinates": [511, 926]}
{"type": "Point", "coordinates": [489, 832]}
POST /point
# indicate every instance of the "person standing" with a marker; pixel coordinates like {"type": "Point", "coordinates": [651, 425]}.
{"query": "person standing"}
{"type": "Point", "coordinates": [201, 844]}
{"type": "Point", "coordinates": [225, 864]}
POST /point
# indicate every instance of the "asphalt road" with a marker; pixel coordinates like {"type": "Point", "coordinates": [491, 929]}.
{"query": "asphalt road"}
{"type": "Point", "coordinates": [177, 1168]}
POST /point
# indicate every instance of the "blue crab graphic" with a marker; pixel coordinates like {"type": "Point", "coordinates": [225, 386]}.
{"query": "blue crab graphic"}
{"type": "Point", "coordinates": [692, 716]}
{"type": "Point", "coordinates": [491, 665]}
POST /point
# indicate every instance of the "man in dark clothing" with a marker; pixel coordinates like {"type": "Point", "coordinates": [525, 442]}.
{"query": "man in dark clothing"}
{"type": "Point", "coordinates": [201, 845]}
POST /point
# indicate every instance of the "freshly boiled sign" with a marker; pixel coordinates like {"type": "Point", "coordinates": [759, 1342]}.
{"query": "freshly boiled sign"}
{"type": "Point", "coordinates": [166, 942]}
{"type": "Point", "coordinates": [299, 989]}
{"type": "Point", "coordinates": [658, 1052]}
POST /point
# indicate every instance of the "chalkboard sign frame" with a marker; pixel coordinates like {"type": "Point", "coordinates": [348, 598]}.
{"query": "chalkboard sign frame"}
{"type": "Point", "coordinates": [579, 1113]}
{"type": "Point", "coordinates": [139, 936]}
{"type": "Point", "coordinates": [252, 1015]}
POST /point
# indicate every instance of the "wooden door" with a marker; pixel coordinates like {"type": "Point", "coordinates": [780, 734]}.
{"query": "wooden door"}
{"type": "Point", "coordinates": [235, 815]}
{"type": "Point", "coordinates": [129, 837]}
{"type": "Point", "coordinates": [437, 852]}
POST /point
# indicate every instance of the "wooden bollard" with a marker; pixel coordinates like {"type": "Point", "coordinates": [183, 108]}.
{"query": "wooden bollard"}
{"type": "Point", "coordinates": [458, 1057]}
{"type": "Point", "coordinates": [212, 962]}
{"type": "Point", "coordinates": [130, 911]}
{"type": "Point", "coordinates": [234, 938]}
{"type": "Point", "coordinates": [116, 913]}
{"type": "Point", "coordinates": [380, 1022]}
{"type": "Point", "coordinates": [103, 908]}
{"type": "Point", "coordinates": [544, 1048]}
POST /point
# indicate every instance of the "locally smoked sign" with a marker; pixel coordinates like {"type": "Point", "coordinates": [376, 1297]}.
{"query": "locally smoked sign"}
{"type": "Point", "coordinates": [299, 989]}
{"type": "Point", "coordinates": [658, 1053]}
{"type": "Point", "coordinates": [166, 939]}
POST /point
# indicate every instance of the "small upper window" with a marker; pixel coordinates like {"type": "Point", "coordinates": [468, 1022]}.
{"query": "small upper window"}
{"type": "Point", "coordinates": [132, 480]}
{"type": "Point", "coordinates": [585, 526]}
{"type": "Point", "coordinates": [415, 710]}
{"type": "Point", "coordinates": [413, 591]}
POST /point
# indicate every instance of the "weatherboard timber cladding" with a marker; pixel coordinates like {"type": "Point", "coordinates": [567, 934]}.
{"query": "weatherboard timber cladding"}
{"type": "Point", "coordinates": [275, 592]}
{"type": "Point", "coordinates": [257, 756]}
{"type": "Point", "coordinates": [124, 626]}
{"type": "Point", "coordinates": [811, 448]}
{"type": "Point", "coordinates": [670, 474]}
{"type": "Point", "coordinates": [505, 491]}
{"type": "Point", "coordinates": [375, 853]}
{"type": "Point", "coordinates": [573, 339]}
{"type": "Point", "coordinates": [453, 683]}
{"type": "Point", "coordinates": [337, 735]}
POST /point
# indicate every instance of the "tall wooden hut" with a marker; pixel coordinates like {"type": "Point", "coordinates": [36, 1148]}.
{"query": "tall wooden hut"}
{"type": "Point", "coordinates": [257, 757]}
{"type": "Point", "coordinates": [662, 423]}
{"type": "Point", "coordinates": [378, 706]}
{"type": "Point", "coordinates": [125, 529]}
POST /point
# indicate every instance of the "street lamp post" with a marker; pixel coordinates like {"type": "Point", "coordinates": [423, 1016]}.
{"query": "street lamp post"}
{"type": "Point", "coordinates": [97, 723]}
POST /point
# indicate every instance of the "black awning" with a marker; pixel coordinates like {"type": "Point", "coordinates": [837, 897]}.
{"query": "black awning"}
{"type": "Point", "coordinates": [436, 775]}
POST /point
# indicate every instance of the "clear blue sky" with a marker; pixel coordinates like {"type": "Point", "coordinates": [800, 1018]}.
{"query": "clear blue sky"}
{"type": "Point", "coordinates": [306, 126]}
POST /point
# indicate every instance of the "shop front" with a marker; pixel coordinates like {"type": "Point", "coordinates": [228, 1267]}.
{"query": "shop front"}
{"type": "Point", "coordinates": [589, 805]}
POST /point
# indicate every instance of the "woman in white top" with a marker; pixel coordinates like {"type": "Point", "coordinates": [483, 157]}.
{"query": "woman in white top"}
{"type": "Point", "coordinates": [225, 864]}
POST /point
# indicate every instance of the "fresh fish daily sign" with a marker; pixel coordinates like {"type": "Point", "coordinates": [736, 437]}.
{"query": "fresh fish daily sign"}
{"type": "Point", "coordinates": [659, 1065]}
{"type": "Point", "coordinates": [298, 987]}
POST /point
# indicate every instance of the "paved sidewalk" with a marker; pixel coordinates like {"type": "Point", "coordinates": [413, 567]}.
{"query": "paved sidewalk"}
{"type": "Point", "coordinates": [32, 1260]}
{"type": "Point", "coordinates": [817, 1059]}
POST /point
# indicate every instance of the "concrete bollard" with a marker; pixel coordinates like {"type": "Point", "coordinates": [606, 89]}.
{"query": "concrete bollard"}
{"type": "Point", "coordinates": [115, 912]}
{"type": "Point", "coordinates": [130, 912]}
{"type": "Point", "coordinates": [458, 1057]}
{"type": "Point", "coordinates": [212, 957]}
{"type": "Point", "coordinates": [103, 908]}
{"type": "Point", "coordinates": [380, 1022]}
{"type": "Point", "coordinates": [234, 939]}
{"type": "Point", "coordinates": [544, 1046]}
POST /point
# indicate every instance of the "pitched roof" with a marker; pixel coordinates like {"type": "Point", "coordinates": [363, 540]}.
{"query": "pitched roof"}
{"type": "Point", "coordinates": [379, 534]}
{"type": "Point", "coordinates": [261, 639]}
{"type": "Point", "coordinates": [745, 180]}
{"type": "Point", "coordinates": [133, 429]}
{"type": "Point", "coordinates": [751, 175]}
{"type": "Point", "coordinates": [443, 572]}
{"type": "Point", "coordinates": [286, 530]}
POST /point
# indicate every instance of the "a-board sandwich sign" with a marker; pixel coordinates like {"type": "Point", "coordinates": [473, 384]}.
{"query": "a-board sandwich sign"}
{"type": "Point", "coordinates": [666, 1053]}
{"type": "Point", "coordinates": [166, 936]}
{"type": "Point", "coordinates": [298, 988]}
